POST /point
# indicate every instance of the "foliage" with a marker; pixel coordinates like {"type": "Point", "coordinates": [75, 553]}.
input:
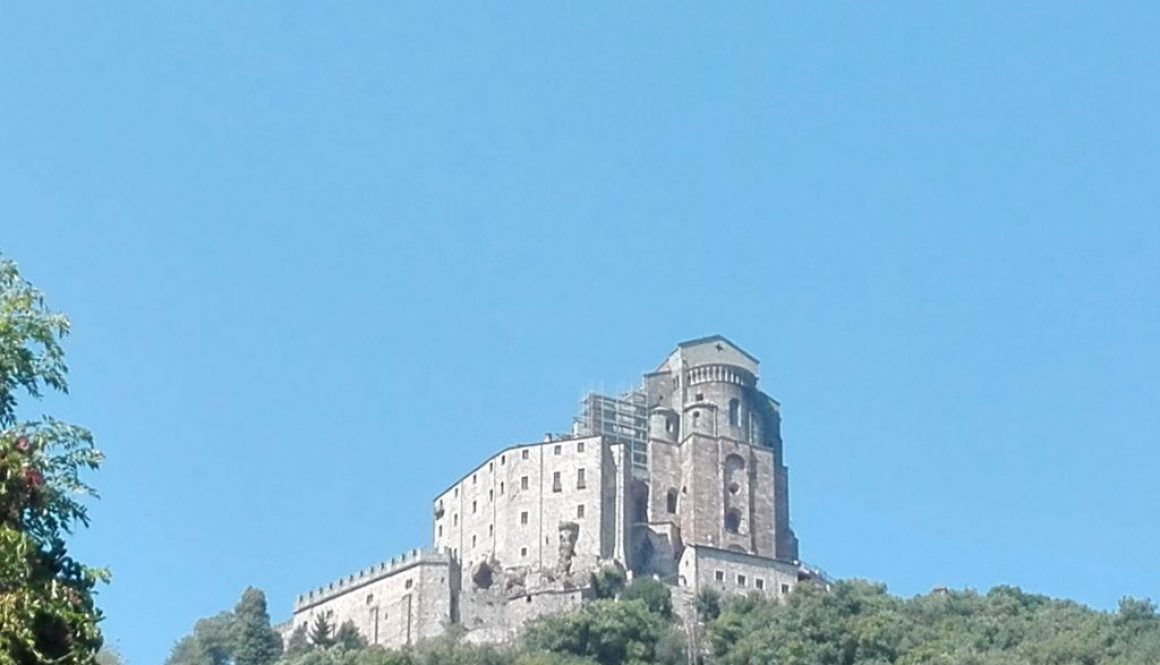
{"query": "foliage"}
{"type": "Point", "coordinates": [608, 582]}
{"type": "Point", "coordinates": [653, 593]}
{"type": "Point", "coordinates": [707, 604]}
{"type": "Point", "coordinates": [47, 613]}
{"type": "Point", "coordinates": [858, 623]}
{"type": "Point", "coordinates": [241, 637]}
{"type": "Point", "coordinates": [608, 632]}
{"type": "Point", "coordinates": [297, 645]}
{"type": "Point", "coordinates": [348, 636]}
{"type": "Point", "coordinates": [853, 623]}
{"type": "Point", "coordinates": [211, 643]}
{"type": "Point", "coordinates": [254, 642]}
{"type": "Point", "coordinates": [322, 633]}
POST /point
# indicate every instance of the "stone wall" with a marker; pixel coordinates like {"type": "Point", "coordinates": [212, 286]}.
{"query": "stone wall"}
{"type": "Point", "coordinates": [394, 604]}
{"type": "Point", "coordinates": [734, 572]}
{"type": "Point", "coordinates": [538, 506]}
{"type": "Point", "coordinates": [495, 617]}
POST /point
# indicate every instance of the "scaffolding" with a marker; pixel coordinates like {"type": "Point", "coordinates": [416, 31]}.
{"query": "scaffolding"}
{"type": "Point", "coordinates": [622, 419]}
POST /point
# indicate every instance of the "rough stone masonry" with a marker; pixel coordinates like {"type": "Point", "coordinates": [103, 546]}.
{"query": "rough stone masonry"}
{"type": "Point", "coordinates": [682, 479]}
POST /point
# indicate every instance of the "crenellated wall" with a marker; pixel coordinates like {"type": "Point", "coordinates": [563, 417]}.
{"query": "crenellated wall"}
{"type": "Point", "coordinates": [394, 603]}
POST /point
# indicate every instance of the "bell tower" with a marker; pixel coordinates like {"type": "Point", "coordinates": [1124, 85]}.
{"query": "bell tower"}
{"type": "Point", "coordinates": [716, 473]}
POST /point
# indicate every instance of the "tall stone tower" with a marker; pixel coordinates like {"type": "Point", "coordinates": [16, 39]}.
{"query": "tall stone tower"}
{"type": "Point", "coordinates": [715, 473]}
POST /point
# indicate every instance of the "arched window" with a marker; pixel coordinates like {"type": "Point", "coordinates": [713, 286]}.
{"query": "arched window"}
{"type": "Point", "coordinates": [671, 501]}
{"type": "Point", "coordinates": [732, 521]}
{"type": "Point", "coordinates": [734, 412]}
{"type": "Point", "coordinates": [734, 471]}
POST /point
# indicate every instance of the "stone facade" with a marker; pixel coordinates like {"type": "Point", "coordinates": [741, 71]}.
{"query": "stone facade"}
{"type": "Point", "coordinates": [520, 535]}
{"type": "Point", "coordinates": [541, 507]}
{"type": "Point", "coordinates": [397, 602]}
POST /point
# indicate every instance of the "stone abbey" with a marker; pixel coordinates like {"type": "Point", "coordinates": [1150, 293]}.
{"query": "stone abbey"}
{"type": "Point", "coordinates": [682, 479]}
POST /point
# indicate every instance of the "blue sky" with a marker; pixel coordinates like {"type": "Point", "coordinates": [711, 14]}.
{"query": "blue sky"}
{"type": "Point", "coordinates": [321, 260]}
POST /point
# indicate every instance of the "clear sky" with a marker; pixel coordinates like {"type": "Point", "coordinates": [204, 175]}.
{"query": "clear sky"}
{"type": "Point", "coordinates": [322, 258]}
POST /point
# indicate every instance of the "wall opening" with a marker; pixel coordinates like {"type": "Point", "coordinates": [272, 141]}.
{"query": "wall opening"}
{"type": "Point", "coordinates": [639, 501]}
{"type": "Point", "coordinates": [671, 501]}
{"type": "Point", "coordinates": [732, 521]}
{"type": "Point", "coordinates": [734, 412]}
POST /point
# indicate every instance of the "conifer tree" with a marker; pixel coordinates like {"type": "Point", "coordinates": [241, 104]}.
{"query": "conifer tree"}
{"type": "Point", "coordinates": [254, 641]}
{"type": "Point", "coordinates": [322, 633]}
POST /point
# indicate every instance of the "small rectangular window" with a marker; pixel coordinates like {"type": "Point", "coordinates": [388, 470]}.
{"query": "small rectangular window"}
{"type": "Point", "coordinates": [473, 507]}
{"type": "Point", "coordinates": [556, 485]}
{"type": "Point", "coordinates": [580, 484]}
{"type": "Point", "coordinates": [524, 483]}
{"type": "Point", "coordinates": [580, 447]}
{"type": "Point", "coordinates": [456, 490]}
{"type": "Point", "coordinates": [524, 517]}
{"type": "Point", "coordinates": [580, 511]}
{"type": "Point", "coordinates": [524, 454]}
{"type": "Point", "coordinates": [473, 541]}
{"type": "Point", "coordinates": [491, 466]}
{"type": "Point", "coordinates": [491, 495]}
{"type": "Point", "coordinates": [720, 575]}
{"type": "Point", "coordinates": [455, 519]}
{"type": "Point", "coordinates": [409, 584]}
{"type": "Point", "coordinates": [759, 583]}
{"type": "Point", "coordinates": [491, 529]}
{"type": "Point", "coordinates": [440, 530]}
{"type": "Point", "coordinates": [474, 479]}
{"type": "Point", "coordinates": [502, 460]}
{"type": "Point", "coordinates": [523, 551]}
{"type": "Point", "coordinates": [785, 588]}
{"type": "Point", "coordinates": [740, 580]}
{"type": "Point", "coordinates": [501, 487]}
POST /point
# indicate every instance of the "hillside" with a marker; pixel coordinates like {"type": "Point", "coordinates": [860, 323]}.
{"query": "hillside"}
{"type": "Point", "coordinates": [855, 623]}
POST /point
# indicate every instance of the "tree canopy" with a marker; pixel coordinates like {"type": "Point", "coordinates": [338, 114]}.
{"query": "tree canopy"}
{"type": "Point", "coordinates": [853, 623]}
{"type": "Point", "coordinates": [47, 612]}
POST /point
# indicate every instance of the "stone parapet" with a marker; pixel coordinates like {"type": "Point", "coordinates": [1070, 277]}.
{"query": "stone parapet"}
{"type": "Point", "coordinates": [368, 575]}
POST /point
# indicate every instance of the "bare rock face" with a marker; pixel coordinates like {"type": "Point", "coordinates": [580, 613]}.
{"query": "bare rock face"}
{"type": "Point", "coordinates": [515, 584]}
{"type": "Point", "coordinates": [569, 534]}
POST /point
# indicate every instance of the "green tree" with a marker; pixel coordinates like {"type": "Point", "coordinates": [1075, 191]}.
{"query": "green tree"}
{"type": "Point", "coordinates": [348, 637]}
{"type": "Point", "coordinates": [298, 643]}
{"type": "Point", "coordinates": [653, 593]}
{"type": "Point", "coordinates": [211, 643]}
{"type": "Point", "coordinates": [47, 613]}
{"type": "Point", "coordinates": [609, 632]}
{"type": "Point", "coordinates": [707, 603]}
{"type": "Point", "coordinates": [608, 582]}
{"type": "Point", "coordinates": [254, 642]}
{"type": "Point", "coordinates": [322, 633]}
